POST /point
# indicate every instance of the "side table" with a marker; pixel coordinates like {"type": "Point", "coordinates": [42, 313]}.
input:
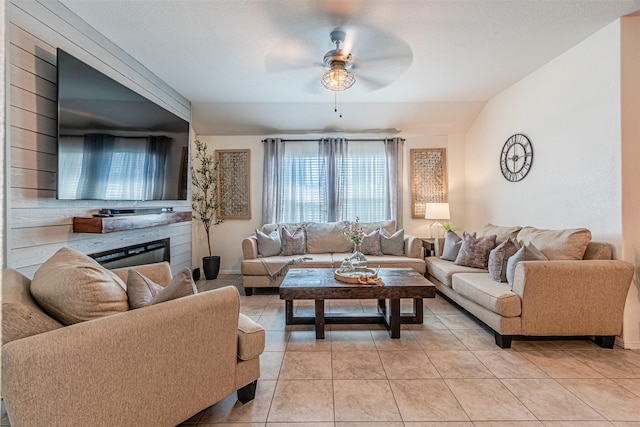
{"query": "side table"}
{"type": "Point", "coordinates": [429, 246]}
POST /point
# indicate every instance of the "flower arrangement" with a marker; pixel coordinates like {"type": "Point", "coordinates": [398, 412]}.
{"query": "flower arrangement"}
{"type": "Point", "coordinates": [354, 231]}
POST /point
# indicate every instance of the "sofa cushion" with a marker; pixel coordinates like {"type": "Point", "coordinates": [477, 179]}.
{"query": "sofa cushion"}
{"type": "Point", "coordinates": [143, 292]}
{"type": "Point", "coordinates": [392, 244]}
{"type": "Point", "coordinates": [486, 292]}
{"type": "Point", "coordinates": [442, 270]}
{"type": "Point", "coordinates": [452, 244]}
{"type": "Point", "coordinates": [326, 237]}
{"type": "Point", "coordinates": [21, 316]}
{"type": "Point", "coordinates": [557, 244]}
{"type": "Point", "coordinates": [72, 287]}
{"type": "Point", "coordinates": [501, 233]}
{"type": "Point", "coordinates": [598, 250]}
{"type": "Point", "coordinates": [369, 227]}
{"type": "Point", "coordinates": [389, 261]}
{"type": "Point", "coordinates": [293, 244]}
{"type": "Point", "coordinates": [475, 252]}
{"type": "Point", "coordinates": [528, 252]}
{"type": "Point", "coordinates": [498, 258]}
{"type": "Point", "coordinates": [371, 243]}
{"type": "Point", "coordinates": [251, 338]}
{"type": "Point", "coordinates": [268, 244]}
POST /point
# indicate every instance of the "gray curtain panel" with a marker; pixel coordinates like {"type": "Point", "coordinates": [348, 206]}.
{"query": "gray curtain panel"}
{"type": "Point", "coordinates": [271, 189]}
{"type": "Point", "coordinates": [393, 207]}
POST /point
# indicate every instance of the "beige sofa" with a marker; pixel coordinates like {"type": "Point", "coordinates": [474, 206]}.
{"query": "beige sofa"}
{"type": "Point", "coordinates": [154, 366]}
{"type": "Point", "coordinates": [548, 298]}
{"type": "Point", "coordinates": [326, 248]}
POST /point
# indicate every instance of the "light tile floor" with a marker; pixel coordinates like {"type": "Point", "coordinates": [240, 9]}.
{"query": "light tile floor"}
{"type": "Point", "coordinates": [445, 372]}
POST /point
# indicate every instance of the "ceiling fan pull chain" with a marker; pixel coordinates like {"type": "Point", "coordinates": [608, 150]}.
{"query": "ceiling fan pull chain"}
{"type": "Point", "coordinates": [335, 102]}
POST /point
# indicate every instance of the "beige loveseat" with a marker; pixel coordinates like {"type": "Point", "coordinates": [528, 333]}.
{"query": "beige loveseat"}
{"type": "Point", "coordinates": [154, 366]}
{"type": "Point", "coordinates": [326, 247]}
{"type": "Point", "coordinates": [559, 297]}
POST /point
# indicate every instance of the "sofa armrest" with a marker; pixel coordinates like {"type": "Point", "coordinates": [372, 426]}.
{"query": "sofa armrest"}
{"type": "Point", "coordinates": [413, 247]}
{"type": "Point", "coordinates": [572, 297]}
{"type": "Point", "coordinates": [157, 365]}
{"type": "Point", "coordinates": [250, 247]}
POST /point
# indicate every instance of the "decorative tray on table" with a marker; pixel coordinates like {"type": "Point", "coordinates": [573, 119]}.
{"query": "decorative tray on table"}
{"type": "Point", "coordinates": [366, 277]}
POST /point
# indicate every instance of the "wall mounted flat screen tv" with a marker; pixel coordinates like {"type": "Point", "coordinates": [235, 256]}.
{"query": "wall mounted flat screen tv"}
{"type": "Point", "coordinates": [114, 144]}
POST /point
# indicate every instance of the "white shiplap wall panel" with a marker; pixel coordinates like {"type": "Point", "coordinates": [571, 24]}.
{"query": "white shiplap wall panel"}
{"type": "Point", "coordinates": [38, 223]}
{"type": "Point", "coordinates": [30, 82]}
{"type": "Point", "coordinates": [29, 101]}
{"type": "Point", "coordinates": [28, 140]}
{"type": "Point", "coordinates": [30, 62]}
{"type": "Point", "coordinates": [34, 179]}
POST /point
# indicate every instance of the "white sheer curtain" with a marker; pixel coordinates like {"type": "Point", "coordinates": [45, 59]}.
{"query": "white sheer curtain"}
{"type": "Point", "coordinates": [330, 180]}
{"type": "Point", "coordinates": [364, 178]}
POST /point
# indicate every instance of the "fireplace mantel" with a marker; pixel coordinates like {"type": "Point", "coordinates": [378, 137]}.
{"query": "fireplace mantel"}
{"type": "Point", "coordinates": [112, 224]}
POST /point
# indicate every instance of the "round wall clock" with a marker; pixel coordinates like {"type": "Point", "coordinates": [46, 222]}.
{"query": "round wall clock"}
{"type": "Point", "coordinates": [516, 157]}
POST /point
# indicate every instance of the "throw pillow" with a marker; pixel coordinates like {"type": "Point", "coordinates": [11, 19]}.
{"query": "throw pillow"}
{"type": "Point", "coordinates": [371, 244]}
{"type": "Point", "coordinates": [474, 252]}
{"type": "Point", "coordinates": [72, 287]}
{"type": "Point", "coordinates": [499, 257]}
{"type": "Point", "coordinates": [527, 252]}
{"type": "Point", "coordinates": [143, 292]}
{"type": "Point", "coordinates": [268, 244]}
{"type": "Point", "coordinates": [392, 244]}
{"type": "Point", "coordinates": [293, 244]}
{"type": "Point", "coordinates": [452, 244]}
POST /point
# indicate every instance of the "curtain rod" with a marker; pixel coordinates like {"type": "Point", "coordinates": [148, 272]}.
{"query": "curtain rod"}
{"type": "Point", "coordinates": [348, 139]}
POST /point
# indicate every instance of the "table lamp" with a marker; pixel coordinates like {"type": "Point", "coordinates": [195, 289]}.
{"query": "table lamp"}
{"type": "Point", "coordinates": [437, 211]}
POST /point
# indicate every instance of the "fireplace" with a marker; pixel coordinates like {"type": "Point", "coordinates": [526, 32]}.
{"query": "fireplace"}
{"type": "Point", "coordinates": [143, 253]}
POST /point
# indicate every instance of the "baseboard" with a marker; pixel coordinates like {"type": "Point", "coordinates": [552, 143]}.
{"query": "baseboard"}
{"type": "Point", "coordinates": [230, 272]}
{"type": "Point", "coordinates": [628, 345]}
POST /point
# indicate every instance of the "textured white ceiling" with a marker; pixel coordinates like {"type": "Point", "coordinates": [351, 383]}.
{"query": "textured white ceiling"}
{"type": "Point", "coordinates": [220, 55]}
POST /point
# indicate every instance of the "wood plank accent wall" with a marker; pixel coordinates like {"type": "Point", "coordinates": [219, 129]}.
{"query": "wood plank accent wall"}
{"type": "Point", "coordinates": [37, 224]}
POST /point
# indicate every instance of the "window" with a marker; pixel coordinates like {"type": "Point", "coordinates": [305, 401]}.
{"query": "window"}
{"type": "Point", "coordinates": [329, 180]}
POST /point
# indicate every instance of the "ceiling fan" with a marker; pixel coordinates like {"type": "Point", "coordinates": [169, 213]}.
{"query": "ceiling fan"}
{"type": "Point", "coordinates": [339, 61]}
{"type": "Point", "coordinates": [373, 57]}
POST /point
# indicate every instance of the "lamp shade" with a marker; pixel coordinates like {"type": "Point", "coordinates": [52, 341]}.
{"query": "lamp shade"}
{"type": "Point", "coordinates": [437, 211]}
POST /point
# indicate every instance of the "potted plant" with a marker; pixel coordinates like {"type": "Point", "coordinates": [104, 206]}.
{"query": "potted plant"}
{"type": "Point", "coordinates": [204, 201]}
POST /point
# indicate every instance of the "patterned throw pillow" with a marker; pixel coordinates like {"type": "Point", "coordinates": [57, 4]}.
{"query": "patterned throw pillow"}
{"type": "Point", "coordinates": [499, 257]}
{"type": "Point", "coordinates": [293, 244]}
{"type": "Point", "coordinates": [142, 291]}
{"type": "Point", "coordinates": [528, 252]}
{"type": "Point", "coordinates": [268, 244]}
{"type": "Point", "coordinates": [371, 244]}
{"type": "Point", "coordinates": [475, 252]}
{"type": "Point", "coordinates": [392, 245]}
{"type": "Point", "coordinates": [452, 244]}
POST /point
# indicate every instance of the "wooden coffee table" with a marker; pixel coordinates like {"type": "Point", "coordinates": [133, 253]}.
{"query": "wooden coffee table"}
{"type": "Point", "coordinates": [319, 284]}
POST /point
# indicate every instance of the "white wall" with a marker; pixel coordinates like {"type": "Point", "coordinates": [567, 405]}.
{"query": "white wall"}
{"type": "Point", "coordinates": [227, 237]}
{"type": "Point", "coordinates": [570, 109]}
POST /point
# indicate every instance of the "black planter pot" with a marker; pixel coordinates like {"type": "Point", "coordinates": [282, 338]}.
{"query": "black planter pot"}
{"type": "Point", "coordinates": [211, 266]}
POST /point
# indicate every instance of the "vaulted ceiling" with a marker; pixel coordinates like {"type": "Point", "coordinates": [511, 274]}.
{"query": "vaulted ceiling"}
{"type": "Point", "coordinates": [253, 67]}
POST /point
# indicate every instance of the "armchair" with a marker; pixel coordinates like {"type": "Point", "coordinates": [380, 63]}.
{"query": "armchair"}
{"type": "Point", "coordinates": [154, 366]}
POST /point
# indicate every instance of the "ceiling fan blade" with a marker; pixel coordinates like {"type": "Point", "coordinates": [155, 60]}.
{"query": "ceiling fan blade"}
{"type": "Point", "coordinates": [372, 83]}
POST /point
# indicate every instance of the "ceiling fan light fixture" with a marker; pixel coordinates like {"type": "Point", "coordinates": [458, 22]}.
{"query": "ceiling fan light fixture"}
{"type": "Point", "coordinates": [338, 78]}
